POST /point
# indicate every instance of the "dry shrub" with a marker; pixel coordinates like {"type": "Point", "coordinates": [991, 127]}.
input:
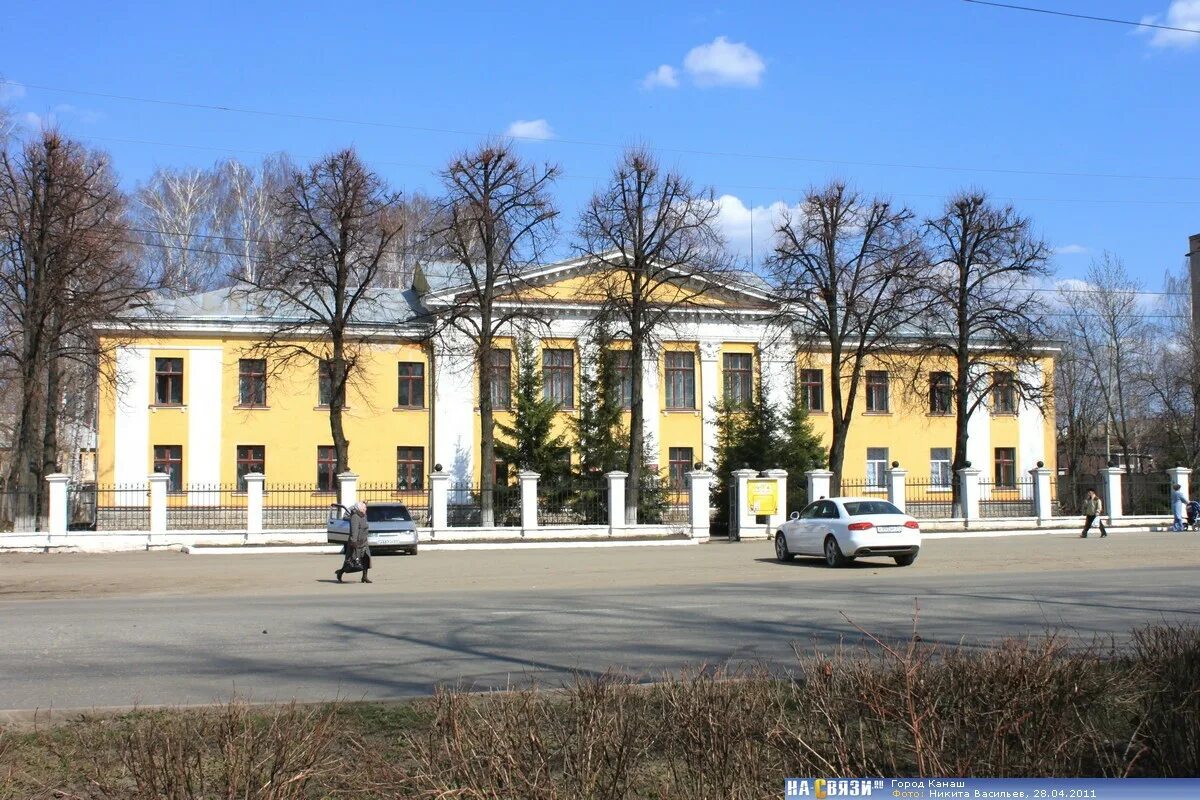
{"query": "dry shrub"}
{"type": "Point", "coordinates": [1165, 670]}
{"type": "Point", "coordinates": [233, 752]}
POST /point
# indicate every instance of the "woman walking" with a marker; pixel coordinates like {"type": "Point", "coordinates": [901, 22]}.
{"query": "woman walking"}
{"type": "Point", "coordinates": [1093, 507]}
{"type": "Point", "coordinates": [357, 552]}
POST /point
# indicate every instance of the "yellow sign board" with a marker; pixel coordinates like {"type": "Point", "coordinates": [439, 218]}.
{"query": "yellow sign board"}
{"type": "Point", "coordinates": [762, 496]}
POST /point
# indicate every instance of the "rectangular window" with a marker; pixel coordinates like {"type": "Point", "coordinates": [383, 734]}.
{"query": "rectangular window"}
{"type": "Point", "coordinates": [941, 393]}
{"type": "Point", "coordinates": [326, 469]}
{"type": "Point", "coordinates": [877, 464]}
{"type": "Point", "coordinates": [681, 380]}
{"type": "Point", "coordinates": [679, 463]}
{"type": "Point", "coordinates": [252, 382]}
{"type": "Point", "coordinates": [1006, 467]}
{"type": "Point", "coordinates": [739, 378]}
{"type": "Point", "coordinates": [325, 384]}
{"type": "Point", "coordinates": [250, 458]}
{"type": "Point", "coordinates": [410, 468]}
{"type": "Point", "coordinates": [168, 381]}
{"type": "Point", "coordinates": [501, 378]}
{"type": "Point", "coordinates": [1004, 393]}
{"type": "Point", "coordinates": [558, 377]}
{"type": "Point", "coordinates": [877, 390]}
{"type": "Point", "coordinates": [168, 459]}
{"type": "Point", "coordinates": [623, 371]}
{"type": "Point", "coordinates": [410, 382]}
{"type": "Point", "coordinates": [812, 389]}
{"type": "Point", "coordinates": [939, 467]}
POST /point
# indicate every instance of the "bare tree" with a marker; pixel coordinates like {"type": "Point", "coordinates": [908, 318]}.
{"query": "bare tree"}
{"type": "Point", "coordinates": [244, 213]}
{"type": "Point", "coordinates": [982, 316]}
{"type": "Point", "coordinates": [847, 268]}
{"type": "Point", "coordinates": [65, 264]}
{"type": "Point", "coordinates": [177, 222]}
{"type": "Point", "coordinates": [1109, 331]}
{"type": "Point", "coordinates": [1171, 378]}
{"type": "Point", "coordinates": [338, 221]}
{"type": "Point", "coordinates": [655, 237]}
{"type": "Point", "coordinates": [494, 219]}
{"type": "Point", "coordinates": [1079, 416]}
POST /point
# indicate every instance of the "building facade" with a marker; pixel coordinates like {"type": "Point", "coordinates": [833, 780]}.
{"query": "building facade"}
{"type": "Point", "coordinates": [192, 391]}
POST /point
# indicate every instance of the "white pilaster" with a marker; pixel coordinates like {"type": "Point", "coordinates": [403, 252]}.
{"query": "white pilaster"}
{"type": "Point", "coordinates": [778, 365]}
{"type": "Point", "coordinates": [1181, 476]}
{"type": "Point", "coordinates": [202, 396]}
{"type": "Point", "coordinates": [651, 402]}
{"type": "Point", "coordinates": [698, 501]}
{"type": "Point", "coordinates": [710, 395]}
{"type": "Point", "coordinates": [439, 496]}
{"type": "Point", "coordinates": [57, 511]}
{"type": "Point", "coordinates": [616, 501]}
{"type": "Point", "coordinates": [1031, 430]}
{"type": "Point", "coordinates": [818, 483]}
{"type": "Point", "coordinates": [131, 427]}
{"type": "Point", "coordinates": [529, 484]}
{"type": "Point", "coordinates": [781, 509]}
{"type": "Point", "coordinates": [347, 488]}
{"type": "Point", "coordinates": [896, 478]}
{"type": "Point", "coordinates": [455, 403]}
{"type": "Point", "coordinates": [158, 504]}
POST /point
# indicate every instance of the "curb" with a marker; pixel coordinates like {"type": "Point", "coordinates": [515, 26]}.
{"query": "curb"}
{"type": "Point", "coordinates": [436, 546]}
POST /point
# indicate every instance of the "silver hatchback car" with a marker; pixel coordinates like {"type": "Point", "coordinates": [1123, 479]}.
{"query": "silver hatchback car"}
{"type": "Point", "coordinates": [391, 527]}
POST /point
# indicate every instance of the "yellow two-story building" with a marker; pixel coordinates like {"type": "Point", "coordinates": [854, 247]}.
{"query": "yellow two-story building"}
{"type": "Point", "coordinates": [193, 393]}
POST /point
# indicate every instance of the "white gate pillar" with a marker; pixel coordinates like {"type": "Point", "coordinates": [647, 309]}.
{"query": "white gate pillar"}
{"type": "Point", "coordinates": [616, 501]}
{"type": "Point", "coordinates": [818, 483]}
{"type": "Point", "coordinates": [1112, 492]}
{"type": "Point", "coordinates": [529, 484]}
{"type": "Point", "coordinates": [743, 520]}
{"type": "Point", "coordinates": [57, 512]}
{"type": "Point", "coordinates": [1041, 491]}
{"type": "Point", "coordinates": [158, 504]}
{"type": "Point", "coordinates": [896, 485]}
{"type": "Point", "coordinates": [254, 502]}
{"type": "Point", "coordinates": [1181, 475]}
{"type": "Point", "coordinates": [698, 503]}
{"type": "Point", "coordinates": [774, 521]}
{"type": "Point", "coordinates": [968, 482]}
{"type": "Point", "coordinates": [439, 498]}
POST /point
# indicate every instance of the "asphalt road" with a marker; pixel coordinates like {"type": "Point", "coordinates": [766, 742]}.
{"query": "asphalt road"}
{"type": "Point", "coordinates": [322, 640]}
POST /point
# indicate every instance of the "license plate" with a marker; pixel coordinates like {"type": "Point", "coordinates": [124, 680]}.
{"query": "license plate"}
{"type": "Point", "coordinates": [889, 528]}
{"type": "Point", "coordinates": [393, 539]}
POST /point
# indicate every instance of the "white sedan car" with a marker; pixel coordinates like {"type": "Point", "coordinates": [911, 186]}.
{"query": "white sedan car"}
{"type": "Point", "coordinates": [842, 529]}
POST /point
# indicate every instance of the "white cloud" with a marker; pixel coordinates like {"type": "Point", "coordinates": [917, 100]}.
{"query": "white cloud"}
{"type": "Point", "coordinates": [1180, 14]}
{"type": "Point", "coordinates": [738, 221]}
{"type": "Point", "coordinates": [11, 91]}
{"type": "Point", "coordinates": [724, 63]}
{"type": "Point", "coordinates": [83, 114]}
{"type": "Point", "coordinates": [665, 76]}
{"type": "Point", "coordinates": [530, 129]}
{"type": "Point", "coordinates": [36, 121]}
{"type": "Point", "coordinates": [1071, 250]}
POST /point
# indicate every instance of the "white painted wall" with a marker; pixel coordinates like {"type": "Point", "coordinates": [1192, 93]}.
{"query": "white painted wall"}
{"type": "Point", "coordinates": [202, 385]}
{"type": "Point", "coordinates": [131, 429]}
{"type": "Point", "coordinates": [1031, 443]}
{"type": "Point", "coordinates": [454, 409]}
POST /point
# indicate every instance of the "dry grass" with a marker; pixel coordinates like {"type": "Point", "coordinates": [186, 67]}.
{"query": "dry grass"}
{"type": "Point", "coordinates": [1038, 707]}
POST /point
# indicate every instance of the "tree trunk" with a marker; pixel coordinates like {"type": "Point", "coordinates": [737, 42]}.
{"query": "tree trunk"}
{"type": "Point", "coordinates": [636, 434]}
{"type": "Point", "coordinates": [337, 399]}
{"type": "Point", "coordinates": [961, 419]}
{"type": "Point", "coordinates": [50, 432]}
{"type": "Point", "coordinates": [25, 467]}
{"type": "Point", "coordinates": [837, 456]}
{"type": "Point", "coordinates": [487, 432]}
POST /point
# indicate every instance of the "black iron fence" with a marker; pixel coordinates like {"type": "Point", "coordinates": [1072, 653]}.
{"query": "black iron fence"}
{"type": "Point", "coordinates": [860, 488]}
{"type": "Point", "coordinates": [573, 502]}
{"type": "Point", "coordinates": [929, 498]}
{"type": "Point", "coordinates": [1070, 490]}
{"type": "Point", "coordinates": [207, 506]}
{"type": "Point", "coordinates": [21, 512]}
{"type": "Point", "coordinates": [415, 500]}
{"type": "Point", "coordinates": [1010, 499]}
{"type": "Point", "coordinates": [466, 507]}
{"type": "Point", "coordinates": [296, 506]}
{"type": "Point", "coordinates": [1146, 494]}
{"type": "Point", "coordinates": [109, 506]}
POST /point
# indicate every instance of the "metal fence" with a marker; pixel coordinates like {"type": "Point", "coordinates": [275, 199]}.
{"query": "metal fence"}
{"type": "Point", "coordinates": [1007, 499]}
{"type": "Point", "coordinates": [1147, 494]}
{"type": "Point", "coordinates": [207, 506]}
{"type": "Point", "coordinates": [109, 506]}
{"type": "Point", "coordinates": [573, 502]}
{"type": "Point", "coordinates": [929, 498]}
{"type": "Point", "coordinates": [296, 506]}
{"type": "Point", "coordinates": [415, 500]}
{"type": "Point", "coordinates": [1068, 491]}
{"type": "Point", "coordinates": [860, 488]}
{"type": "Point", "coordinates": [661, 503]}
{"type": "Point", "coordinates": [465, 506]}
{"type": "Point", "coordinates": [20, 511]}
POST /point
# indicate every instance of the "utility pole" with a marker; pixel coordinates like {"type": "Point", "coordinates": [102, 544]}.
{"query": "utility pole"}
{"type": "Point", "coordinates": [1194, 274]}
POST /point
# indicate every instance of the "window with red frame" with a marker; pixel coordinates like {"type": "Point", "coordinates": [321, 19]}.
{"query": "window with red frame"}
{"type": "Point", "coordinates": [168, 459]}
{"type": "Point", "coordinates": [410, 468]}
{"type": "Point", "coordinates": [250, 458]}
{"type": "Point", "coordinates": [326, 469]}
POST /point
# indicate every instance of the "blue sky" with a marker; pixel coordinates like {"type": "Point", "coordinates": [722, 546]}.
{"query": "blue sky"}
{"type": "Point", "coordinates": [757, 100]}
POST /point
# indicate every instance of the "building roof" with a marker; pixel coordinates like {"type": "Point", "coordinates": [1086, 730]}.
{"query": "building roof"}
{"type": "Point", "coordinates": [233, 306]}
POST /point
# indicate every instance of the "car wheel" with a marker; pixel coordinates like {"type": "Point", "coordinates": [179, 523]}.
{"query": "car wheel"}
{"type": "Point", "coordinates": [412, 551]}
{"type": "Point", "coordinates": [781, 549]}
{"type": "Point", "coordinates": [833, 553]}
{"type": "Point", "coordinates": [905, 561]}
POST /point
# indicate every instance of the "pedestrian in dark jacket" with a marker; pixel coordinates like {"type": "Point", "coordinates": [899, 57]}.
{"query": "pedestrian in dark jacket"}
{"type": "Point", "coordinates": [357, 552]}
{"type": "Point", "coordinates": [1093, 508]}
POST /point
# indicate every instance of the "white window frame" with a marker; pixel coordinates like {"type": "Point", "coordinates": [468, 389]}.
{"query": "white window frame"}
{"type": "Point", "coordinates": [877, 469]}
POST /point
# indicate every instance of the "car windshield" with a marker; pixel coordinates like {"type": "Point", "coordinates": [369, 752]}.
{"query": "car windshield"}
{"type": "Point", "coordinates": [394, 513]}
{"type": "Point", "coordinates": [863, 508]}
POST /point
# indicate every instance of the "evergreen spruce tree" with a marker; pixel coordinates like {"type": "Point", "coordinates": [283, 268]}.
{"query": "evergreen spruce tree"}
{"type": "Point", "coordinates": [800, 450]}
{"type": "Point", "coordinates": [530, 442]}
{"type": "Point", "coordinates": [600, 436]}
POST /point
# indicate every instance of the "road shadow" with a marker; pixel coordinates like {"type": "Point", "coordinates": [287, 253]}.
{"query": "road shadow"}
{"type": "Point", "coordinates": [819, 563]}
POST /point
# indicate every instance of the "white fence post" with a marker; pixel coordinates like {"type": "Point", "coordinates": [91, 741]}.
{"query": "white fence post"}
{"type": "Point", "coordinates": [1181, 476]}
{"type": "Point", "coordinates": [968, 481]}
{"type": "Point", "coordinates": [774, 521]}
{"type": "Point", "coordinates": [439, 498]}
{"type": "Point", "coordinates": [1041, 491]}
{"type": "Point", "coordinates": [743, 520]}
{"type": "Point", "coordinates": [347, 488]}
{"type": "Point", "coordinates": [616, 501]}
{"type": "Point", "coordinates": [1113, 504]}
{"type": "Point", "coordinates": [896, 478]}
{"type": "Point", "coordinates": [254, 502]}
{"type": "Point", "coordinates": [529, 484]}
{"type": "Point", "coordinates": [698, 484]}
{"type": "Point", "coordinates": [158, 504]}
{"type": "Point", "coordinates": [818, 483]}
{"type": "Point", "coordinates": [57, 512]}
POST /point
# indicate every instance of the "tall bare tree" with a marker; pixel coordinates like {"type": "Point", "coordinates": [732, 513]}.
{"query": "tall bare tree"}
{"type": "Point", "coordinates": [177, 222]}
{"type": "Point", "coordinates": [244, 213]}
{"type": "Point", "coordinates": [1171, 379]}
{"type": "Point", "coordinates": [65, 264]}
{"type": "Point", "coordinates": [1110, 333]}
{"type": "Point", "coordinates": [847, 268]}
{"type": "Point", "coordinates": [655, 237]}
{"type": "Point", "coordinates": [494, 219]}
{"type": "Point", "coordinates": [982, 317]}
{"type": "Point", "coordinates": [338, 221]}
